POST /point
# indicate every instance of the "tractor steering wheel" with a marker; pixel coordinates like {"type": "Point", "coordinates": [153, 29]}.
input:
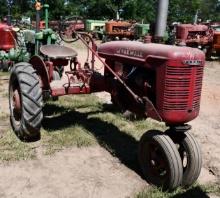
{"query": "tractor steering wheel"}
{"type": "Point", "coordinates": [69, 27]}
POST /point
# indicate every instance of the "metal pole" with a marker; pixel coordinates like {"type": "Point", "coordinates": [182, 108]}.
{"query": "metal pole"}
{"type": "Point", "coordinates": [46, 7]}
{"type": "Point", "coordinates": [162, 13]}
{"type": "Point", "coordinates": [196, 17]}
{"type": "Point", "coordinates": [37, 21]}
{"type": "Point", "coordinates": [9, 13]}
{"type": "Point", "coordinates": [38, 8]}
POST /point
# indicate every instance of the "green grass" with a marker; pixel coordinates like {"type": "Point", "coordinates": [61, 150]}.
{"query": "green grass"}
{"type": "Point", "coordinates": [4, 74]}
{"type": "Point", "coordinates": [84, 121]}
{"type": "Point", "coordinates": [200, 191]}
{"type": "Point", "coordinates": [3, 116]}
{"type": "Point", "coordinates": [11, 149]}
{"type": "Point", "coordinates": [80, 121]}
{"type": "Point", "coordinates": [5, 94]}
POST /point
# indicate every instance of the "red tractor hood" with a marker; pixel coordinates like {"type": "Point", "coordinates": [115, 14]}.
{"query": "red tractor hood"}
{"type": "Point", "coordinates": [140, 52]}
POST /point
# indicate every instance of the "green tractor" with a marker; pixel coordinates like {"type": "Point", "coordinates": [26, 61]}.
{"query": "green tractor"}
{"type": "Point", "coordinates": [141, 30]}
{"type": "Point", "coordinates": [96, 28]}
{"type": "Point", "coordinates": [18, 44]}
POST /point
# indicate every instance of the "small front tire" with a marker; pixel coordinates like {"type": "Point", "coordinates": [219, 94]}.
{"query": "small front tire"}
{"type": "Point", "coordinates": [159, 160]}
{"type": "Point", "coordinates": [190, 154]}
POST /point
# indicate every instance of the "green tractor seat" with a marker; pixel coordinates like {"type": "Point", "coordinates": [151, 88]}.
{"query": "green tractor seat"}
{"type": "Point", "coordinates": [58, 52]}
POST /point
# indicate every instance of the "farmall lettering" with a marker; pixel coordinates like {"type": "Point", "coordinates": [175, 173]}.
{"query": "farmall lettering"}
{"type": "Point", "coordinates": [130, 52]}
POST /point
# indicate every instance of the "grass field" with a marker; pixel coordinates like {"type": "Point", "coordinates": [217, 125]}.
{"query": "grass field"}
{"type": "Point", "coordinates": [79, 121]}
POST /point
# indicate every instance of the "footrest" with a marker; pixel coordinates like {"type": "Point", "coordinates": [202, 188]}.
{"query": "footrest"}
{"type": "Point", "coordinates": [63, 83]}
{"type": "Point", "coordinates": [70, 90]}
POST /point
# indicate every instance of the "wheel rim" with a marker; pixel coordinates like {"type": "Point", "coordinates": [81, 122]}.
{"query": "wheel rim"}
{"type": "Point", "coordinates": [184, 156]}
{"type": "Point", "coordinates": [15, 103]}
{"type": "Point", "coordinates": [156, 162]}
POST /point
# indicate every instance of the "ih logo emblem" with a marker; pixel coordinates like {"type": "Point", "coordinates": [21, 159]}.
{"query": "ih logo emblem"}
{"type": "Point", "coordinates": [192, 62]}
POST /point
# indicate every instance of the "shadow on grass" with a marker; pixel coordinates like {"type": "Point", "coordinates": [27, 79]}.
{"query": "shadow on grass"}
{"type": "Point", "coordinates": [109, 136]}
{"type": "Point", "coordinates": [117, 142]}
{"type": "Point", "coordinates": [192, 192]}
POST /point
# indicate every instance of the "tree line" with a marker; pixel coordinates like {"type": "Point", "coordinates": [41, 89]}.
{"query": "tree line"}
{"type": "Point", "coordinates": [139, 10]}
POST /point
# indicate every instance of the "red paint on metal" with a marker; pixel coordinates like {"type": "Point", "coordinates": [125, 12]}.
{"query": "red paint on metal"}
{"type": "Point", "coordinates": [177, 84]}
{"type": "Point", "coordinates": [16, 101]}
{"type": "Point", "coordinates": [50, 68]}
{"type": "Point", "coordinates": [119, 28]}
{"type": "Point", "coordinates": [70, 90]}
{"type": "Point", "coordinates": [191, 34]}
{"type": "Point", "coordinates": [60, 62]}
{"type": "Point", "coordinates": [7, 38]}
{"type": "Point", "coordinates": [42, 71]}
{"type": "Point", "coordinates": [216, 42]}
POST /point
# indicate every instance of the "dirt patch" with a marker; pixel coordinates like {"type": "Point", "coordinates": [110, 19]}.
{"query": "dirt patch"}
{"type": "Point", "coordinates": [207, 126]}
{"type": "Point", "coordinates": [87, 172]}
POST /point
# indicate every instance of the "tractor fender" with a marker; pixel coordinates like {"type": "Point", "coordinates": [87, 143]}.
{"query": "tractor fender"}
{"type": "Point", "coordinates": [41, 69]}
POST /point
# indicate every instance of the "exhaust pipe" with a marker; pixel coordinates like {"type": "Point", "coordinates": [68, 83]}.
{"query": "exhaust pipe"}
{"type": "Point", "coordinates": [161, 23]}
{"type": "Point", "coordinates": [195, 21]}
{"type": "Point", "coordinates": [9, 13]}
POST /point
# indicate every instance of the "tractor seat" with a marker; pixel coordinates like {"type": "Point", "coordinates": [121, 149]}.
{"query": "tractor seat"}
{"type": "Point", "coordinates": [57, 51]}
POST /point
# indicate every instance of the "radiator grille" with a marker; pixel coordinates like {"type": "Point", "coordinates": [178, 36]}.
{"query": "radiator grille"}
{"type": "Point", "coordinates": [198, 87]}
{"type": "Point", "coordinates": [177, 87]}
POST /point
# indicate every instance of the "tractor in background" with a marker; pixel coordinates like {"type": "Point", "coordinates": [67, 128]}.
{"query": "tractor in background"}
{"type": "Point", "coordinates": [12, 48]}
{"type": "Point", "coordinates": [196, 36]}
{"type": "Point", "coordinates": [118, 30]}
{"type": "Point", "coordinates": [96, 28]}
{"type": "Point", "coordinates": [75, 23]}
{"type": "Point", "coordinates": [18, 44]}
{"type": "Point", "coordinates": [141, 31]}
{"type": "Point", "coordinates": [216, 38]}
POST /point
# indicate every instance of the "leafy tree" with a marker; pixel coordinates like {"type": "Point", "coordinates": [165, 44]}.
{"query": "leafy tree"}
{"type": "Point", "coordinates": [3, 8]}
{"type": "Point", "coordinates": [140, 10]}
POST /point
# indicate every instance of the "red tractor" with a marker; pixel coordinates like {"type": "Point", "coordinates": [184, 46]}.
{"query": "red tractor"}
{"type": "Point", "coordinates": [216, 38]}
{"type": "Point", "coordinates": [152, 80]}
{"type": "Point", "coordinates": [197, 36]}
{"type": "Point", "coordinates": [7, 42]}
{"type": "Point", "coordinates": [117, 30]}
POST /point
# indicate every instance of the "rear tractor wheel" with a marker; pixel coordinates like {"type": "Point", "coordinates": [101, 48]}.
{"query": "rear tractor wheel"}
{"type": "Point", "coordinates": [25, 102]}
{"type": "Point", "coordinates": [159, 160]}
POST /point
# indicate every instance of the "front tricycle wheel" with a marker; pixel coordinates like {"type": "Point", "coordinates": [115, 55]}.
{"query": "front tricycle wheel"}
{"type": "Point", "coordinates": [25, 102]}
{"type": "Point", "coordinates": [190, 154]}
{"type": "Point", "coordinates": [159, 160]}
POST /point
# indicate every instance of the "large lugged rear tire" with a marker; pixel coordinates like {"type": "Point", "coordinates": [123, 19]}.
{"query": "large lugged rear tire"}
{"type": "Point", "coordinates": [159, 160]}
{"type": "Point", "coordinates": [25, 102]}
